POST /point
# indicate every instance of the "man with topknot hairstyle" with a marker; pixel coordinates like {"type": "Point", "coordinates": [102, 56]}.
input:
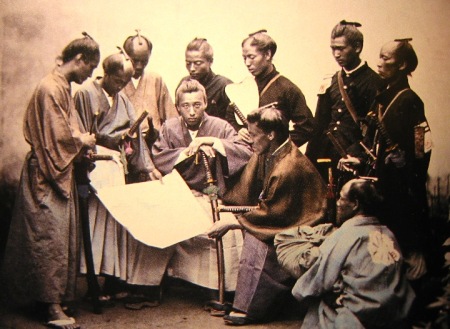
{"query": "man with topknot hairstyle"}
{"type": "Point", "coordinates": [147, 90]}
{"type": "Point", "coordinates": [41, 253]}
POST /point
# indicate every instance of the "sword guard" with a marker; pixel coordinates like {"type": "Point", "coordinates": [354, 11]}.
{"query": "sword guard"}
{"type": "Point", "coordinates": [211, 190]}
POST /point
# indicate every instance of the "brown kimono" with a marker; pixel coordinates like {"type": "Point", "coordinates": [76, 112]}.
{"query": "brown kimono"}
{"type": "Point", "coordinates": [293, 193]}
{"type": "Point", "coordinates": [41, 259]}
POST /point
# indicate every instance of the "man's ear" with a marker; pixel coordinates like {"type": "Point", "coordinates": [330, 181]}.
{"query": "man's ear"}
{"type": "Point", "coordinates": [402, 66]}
{"type": "Point", "coordinates": [79, 57]}
{"type": "Point", "coordinates": [358, 48]}
{"type": "Point", "coordinates": [268, 55]}
{"type": "Point", "coordinates": [356, 206]}
{"type": "Point", "coordinates": [271, 135]}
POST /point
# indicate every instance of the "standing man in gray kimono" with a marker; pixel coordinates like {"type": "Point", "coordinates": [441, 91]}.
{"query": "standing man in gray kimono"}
{"type": "Point", "coordinates": [147, 90]}
{"type": "Point", "coordinates": [103, 106]}
{"type": "Point", "coordinates": [115, 115]}
{"type": "Point", "coordinates": [199, 58]}
{"type": "Point", "coordinates": [288, 191]}
{"type": "Point", "coordinates": [358, 278]}
{"type": "Point", "coordinates": [41, 253]}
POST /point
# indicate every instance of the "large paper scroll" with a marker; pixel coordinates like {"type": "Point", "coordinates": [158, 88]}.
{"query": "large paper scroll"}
{"type": "Point", "coordinates": [157, 214]}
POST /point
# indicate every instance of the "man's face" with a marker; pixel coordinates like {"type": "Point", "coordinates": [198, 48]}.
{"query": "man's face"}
{"type": "Point", "coordinates": [85, 69]}
{"type": "Point", "coordinates": [388, 66]}
{"type": "Point", "coordinates": [256, 61]}
{"type": "Point", "coordinates": [113, 83]}
{"type": "Point", "coordinates": [345, 208]}
{"type": "Point", "coordinates": [139, 57]}
{"type": "Point", "coordinates": [197, 65]}
{"type": "Point", "coordinates": [260, 140]}
{"type": "Point", "coordinates": [345, 55]}
{"type": "Point", "coordinates": [191, 106]}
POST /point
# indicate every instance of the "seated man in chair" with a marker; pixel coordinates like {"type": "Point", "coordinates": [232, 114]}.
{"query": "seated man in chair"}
{"type": "Point", "coordinates": [179, 141]}
{"type": "Point", "coordinates": [288, 191]}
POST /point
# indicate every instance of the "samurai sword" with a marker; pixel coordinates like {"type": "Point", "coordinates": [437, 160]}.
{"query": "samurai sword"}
{"type": "Point", "coordinates": [237, 209]}
{"type": "Point", "coordinates": [212, 191]}
{"type": "Point", "coordinates": [134, 127]}
{"type": "Point", "coordinates": [238, 112]}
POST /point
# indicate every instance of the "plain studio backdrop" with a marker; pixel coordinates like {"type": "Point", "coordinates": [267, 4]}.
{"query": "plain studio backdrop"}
{"type": "Point", "coordinates": [34, 32]}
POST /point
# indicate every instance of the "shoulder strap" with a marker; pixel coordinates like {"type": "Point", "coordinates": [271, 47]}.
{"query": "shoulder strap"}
{"type": "Point", "coordinates": [347, 101]}
{"type": "Point", "coordinates": [382, 115]}
{"type": "Point", "coordinates": [269, 84]}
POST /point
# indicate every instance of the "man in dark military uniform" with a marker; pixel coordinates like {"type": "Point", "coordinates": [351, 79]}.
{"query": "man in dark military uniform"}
{"type": "Point", "coordinates": [199, 58]}
{"type": "Point", "coordinates": [340, 109]}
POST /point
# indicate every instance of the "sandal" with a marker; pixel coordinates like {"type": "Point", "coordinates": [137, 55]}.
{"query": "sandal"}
{"type": "Point", "coordinates": [238, 319]}
{"type": "Point", "coordinates": [217, 309]}
{"type": "Point", "coordinates": [62, 323]}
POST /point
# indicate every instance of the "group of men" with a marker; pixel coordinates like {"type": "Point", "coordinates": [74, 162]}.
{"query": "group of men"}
{"type": "Point", "coordinates": [366, 124]}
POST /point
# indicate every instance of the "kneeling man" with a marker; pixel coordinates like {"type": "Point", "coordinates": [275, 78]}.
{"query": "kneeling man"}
{"type": "Point", "coordinates": [358, 276]}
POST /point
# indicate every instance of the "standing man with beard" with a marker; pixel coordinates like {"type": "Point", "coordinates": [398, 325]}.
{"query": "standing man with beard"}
{"type": "Point", "coordinates": [199, 58]}
{"type": "Point", "coordinates": [344, 99]}
{"type": "Point", "coordinates": [147, 90]}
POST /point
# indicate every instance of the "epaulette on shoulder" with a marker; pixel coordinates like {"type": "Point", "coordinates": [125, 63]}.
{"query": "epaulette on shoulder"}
{"type": "Point", "coordinates": [326, 83]}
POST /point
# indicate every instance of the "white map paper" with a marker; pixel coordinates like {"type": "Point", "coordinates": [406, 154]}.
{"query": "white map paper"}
{"type": "Point", "coordinates": [245, 95]}
{"type": "Point", "coordinates": [156, 214]}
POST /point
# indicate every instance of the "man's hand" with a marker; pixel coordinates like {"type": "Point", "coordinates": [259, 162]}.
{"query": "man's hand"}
{"type": "Point", "coordinates": [88, 140]}
{"type": "Point", "coordinates": [245, 135]}
{"type": "Point", "coordinates": [221, 227]}
{"type": "Point", "coordinates": [397, 157]}
{"type": "Point", "coordinates": [156, 175]}
{"type": "Point", "coordinates": [348, 164]}
{"type": "Point", "coordinates": [208, 150]}
{"type": "Point", "coordinates": [202, 143]}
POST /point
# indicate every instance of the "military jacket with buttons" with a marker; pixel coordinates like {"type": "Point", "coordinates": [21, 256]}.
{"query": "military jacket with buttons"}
{"type": "Point", "coordinates": [333, 116]}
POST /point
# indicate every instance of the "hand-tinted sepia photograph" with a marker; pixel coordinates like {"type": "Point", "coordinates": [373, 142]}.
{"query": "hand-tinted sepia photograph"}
{"type": "Point", "coordinates": [189, 164]}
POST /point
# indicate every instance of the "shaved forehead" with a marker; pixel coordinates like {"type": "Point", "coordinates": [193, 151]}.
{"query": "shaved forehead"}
{"type": "Point", "coordinates": [137, 46]}
{"type": "Point", "coordinates": [390, 46]}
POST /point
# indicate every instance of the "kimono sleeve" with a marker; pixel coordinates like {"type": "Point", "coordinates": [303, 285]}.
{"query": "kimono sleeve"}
{"type": "Point", "coordinates": [325, 272]}
{"type": "Point", "coordinates": [301, 117]}
{"type": "Point", "coordinates": [164, 153]}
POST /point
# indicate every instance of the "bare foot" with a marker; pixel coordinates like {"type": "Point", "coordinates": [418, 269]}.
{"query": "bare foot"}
{"type": "Point", "coordinates": [58, 319]}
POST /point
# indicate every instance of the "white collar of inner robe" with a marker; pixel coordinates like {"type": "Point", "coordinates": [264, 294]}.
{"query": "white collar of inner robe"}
{"type": "Point", "coordinates": [279, 147]}
{"type": "Point", "coordinates": [136, 81]}
{"type": "Point", "coordinates": [109, 98]}
{"type": "Point", "coordinates": [193, 133]}
{"type": "Point", "coordinates": [356, 68]}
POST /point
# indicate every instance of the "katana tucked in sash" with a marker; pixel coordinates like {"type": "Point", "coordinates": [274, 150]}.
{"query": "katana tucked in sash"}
{"type": "Point", "coordinates": [125, 144]}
